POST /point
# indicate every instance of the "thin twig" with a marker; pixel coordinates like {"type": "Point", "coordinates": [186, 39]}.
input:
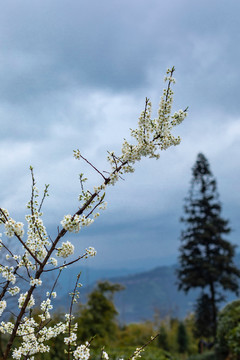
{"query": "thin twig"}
{"type": "Point", "coordinates": [93, 166]}
{"type": "Point", "coordinates": [66, 264]}
{"type": "Point", "coordinates": [44, 196]}
{"type": "Point", "coordinates": [142, 347]}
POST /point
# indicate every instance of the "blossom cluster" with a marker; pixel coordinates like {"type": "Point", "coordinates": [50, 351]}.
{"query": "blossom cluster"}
{"type": "Point", "coordinates": [82, 352]}
{"type": "Point", "coordinates": [4, 215]}
{"type": "Point", "coordinates": [74, 223]}
{"type": "Point", "coordinates": [45, 306]}
{"type": "Point", "coordinates": [37, 282]}
{"type": "Point", "coordinates": [137, 353]}
{"type": "Point", "coordinates": [77, 154]}
{"type": "Point", "coordinates": [151, 135]}
{"type": "Point", "coordinates": [37, 240]}
{"type": "Point", "coordinates": [33, 338]}
{"type": "Point", "coordinates": [3, 305]}
{"type": "Point", "coordinates": [8, 273]}
{"type": "Point", "coordinates": [12, 227]}
{"type": "Point", "coordinates": [66, 249]}
{"type": "Point", "coordinates": [90, 252]}
{"type": "Point", "coordinates": [14, 290]}
{"type": "Point", "coordinates": [22, 298]}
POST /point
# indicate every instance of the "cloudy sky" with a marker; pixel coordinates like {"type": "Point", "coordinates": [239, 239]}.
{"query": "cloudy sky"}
{"type": "Point", "coordinates": [75, 74]}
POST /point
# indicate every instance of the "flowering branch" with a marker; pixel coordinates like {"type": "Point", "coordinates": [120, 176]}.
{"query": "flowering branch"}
{"type": "Point", "coordinates": [40, 251]}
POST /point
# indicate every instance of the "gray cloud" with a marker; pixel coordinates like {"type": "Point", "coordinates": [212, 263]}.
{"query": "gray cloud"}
{"type": "Point", "coordinates": [74, 75]}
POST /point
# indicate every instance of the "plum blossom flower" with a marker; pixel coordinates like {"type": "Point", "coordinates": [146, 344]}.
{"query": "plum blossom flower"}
{"type": "Point", "coordinates": [90, 252]}
{"type": "Point", "coordinates": [77, 154]}
{"type": "Point", "coordinates": [3, 305]}
{"type": "Point", "coordinates": [66, 249]}
{"type": "Point", "coordinates": [82, 352]}
{"type": "Point", "coordinates": [22, 299]}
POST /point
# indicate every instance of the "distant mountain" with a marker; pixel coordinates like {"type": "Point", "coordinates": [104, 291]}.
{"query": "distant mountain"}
{"type": "Point", "coordinates": [152, 292]}
{"type": "Point", "coordinates": [88, 276]}
{"type": "Point", "coordinates": [145, 293]}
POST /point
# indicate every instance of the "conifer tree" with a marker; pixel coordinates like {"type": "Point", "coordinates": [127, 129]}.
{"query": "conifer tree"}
{"type": "Point", "coordinates": [203, 317]}
{"type": "Point", "coordinates": [182, 338]}
{"type": "Point", "coordinates": [206, 257]}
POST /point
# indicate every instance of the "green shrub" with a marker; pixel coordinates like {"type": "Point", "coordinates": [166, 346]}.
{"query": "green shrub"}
{"type": "Point", "coordinates": [228, 332]}
{"type": "Point", "coordinates": [210, 355]}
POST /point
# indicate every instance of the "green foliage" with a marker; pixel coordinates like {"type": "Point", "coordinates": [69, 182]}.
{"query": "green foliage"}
{"type": "Point", "coordinates": [189, 323]}
{"type": "Point", "coordinates": [204, 322]}
{"type": "Point", "coordinates": [136, 334]}
{"type": "Point", "coordinates": [122, 341]}
{"type": "Point", "coordinates": [228, 332]}
{"type": "Point", "coordinates": [128, 338]}
{"type": "Point", "coordinates": [98, 316]}
{"type": "Point", "coordinates": [182, 338]}
{"type": "Point", "coordinates": [206, 258]}
{"type": "Point", "coordinates": [150, 353]}
{"type": "Point", "coordinates": [209, 355]}
{"type": "Point", "coordinates": [163, 338]}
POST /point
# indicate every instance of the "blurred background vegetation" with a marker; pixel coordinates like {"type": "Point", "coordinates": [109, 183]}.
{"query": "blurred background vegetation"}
{"type": "Point", "coordinates": [176, 340]}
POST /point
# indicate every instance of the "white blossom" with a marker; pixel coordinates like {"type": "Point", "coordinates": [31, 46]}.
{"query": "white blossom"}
{"type": "Point", "coordinates": [22, 299]}
{"type": "Point", "coordinates": [77, 154]}
{"type": "Point", "coordinates": [37, 235]}
{"type": "Point", "coordinates": [71, 339]}
{"type": "Point", "coordinates": [105, 355]}
{"type": "Point", "coordinates": [66, 249]}
{"type": "Point", "coordinates": [90, 252]}
{"type": "Point", "coordinates": [137, 353]}
{"type": "Point", "coordinates": [45, 306]}
{"type": "Point", "coordinates": [6, 327]}
{"type": "Point", "coordinates": [14, 290]}
{"type": "Point", "coordinates": [82, 352]}
{"type": "Point", "coordinates": [7, 273]}
{"type": "Point", "coordinates": [71, 224]}
{"type": "Point", "coordinates": [4, 214]}
{"type": "Point", "coordinates": [74, 224]}
{"type": "Point", "coordinates": [3, 305]}
{"type": "Point", "coordinates": [12, 227]}
{"type": "Point", "coordinates": [37, 282]}
{"type": "Point", "coordinates": [53, 261]}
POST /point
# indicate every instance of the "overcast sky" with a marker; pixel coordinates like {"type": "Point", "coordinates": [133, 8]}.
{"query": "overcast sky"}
{"type": "Point", "coordinates": [75, 74]}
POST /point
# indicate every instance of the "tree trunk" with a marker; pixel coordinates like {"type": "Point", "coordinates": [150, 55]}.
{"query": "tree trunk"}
{"type": "Point", "coordinates": [214, 309]}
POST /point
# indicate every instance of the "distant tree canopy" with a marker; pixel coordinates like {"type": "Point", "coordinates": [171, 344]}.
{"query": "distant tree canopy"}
{"type": "Point", "coordinates": [206, 258]}
{"type": "Point", "coordinates": [98, 316]}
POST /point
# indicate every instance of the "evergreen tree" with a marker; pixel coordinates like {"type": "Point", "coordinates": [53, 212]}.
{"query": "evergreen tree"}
{"type": "Point", "coordinates": [206, 258]}
{"type": "Point", "coordinates": [182, 338]}
{"type": "Point", "coordinates": [203, 319]}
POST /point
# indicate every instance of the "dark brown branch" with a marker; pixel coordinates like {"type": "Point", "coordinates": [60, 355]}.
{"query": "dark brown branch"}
{"type": "Point", "coordinates": [67, 264]}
